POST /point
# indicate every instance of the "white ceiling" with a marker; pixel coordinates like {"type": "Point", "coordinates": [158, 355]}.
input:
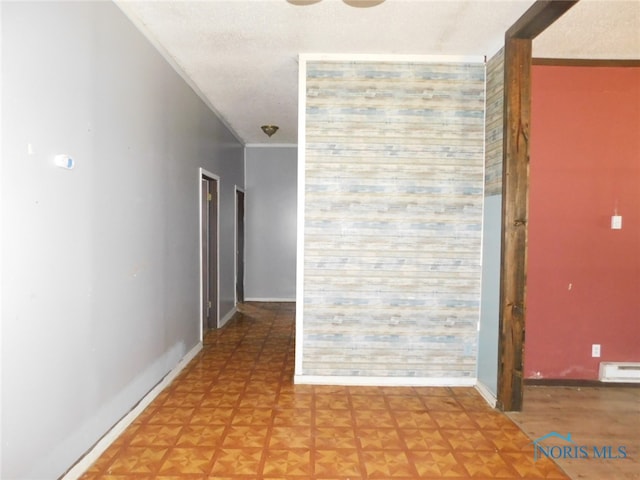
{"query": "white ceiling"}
{"type": "Point", "coordinates": [594, 29]}
{"type": "Point", "coordinates": [241, 55]}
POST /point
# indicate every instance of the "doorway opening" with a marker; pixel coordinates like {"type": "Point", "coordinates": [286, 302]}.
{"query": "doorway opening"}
{"type": "Point", "coordinates": [209, 250]}
{"type": "Point", "coordinates": [239, 245]}
{"type": "Point", "coordinates": [515, 203]}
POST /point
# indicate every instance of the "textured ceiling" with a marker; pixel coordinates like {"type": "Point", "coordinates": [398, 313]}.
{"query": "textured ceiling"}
{"type": "Point", "coordinates": [242, 54]}
{"type": "Point", "coordinates": [594, 29]}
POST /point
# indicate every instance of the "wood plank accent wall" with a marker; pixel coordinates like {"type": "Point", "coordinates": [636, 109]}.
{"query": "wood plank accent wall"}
{"type": "Point", "coordinates": [393, 217]}
{"type": "Point", "coordinates": [494, 125]}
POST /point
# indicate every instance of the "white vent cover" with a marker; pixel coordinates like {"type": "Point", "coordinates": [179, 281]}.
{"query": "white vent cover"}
{"type": "Point", "coordinates": [620, 372]}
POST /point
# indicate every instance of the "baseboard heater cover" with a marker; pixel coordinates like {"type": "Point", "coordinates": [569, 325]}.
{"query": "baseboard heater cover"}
{"type": "Point", "coordinates": [624, 372]}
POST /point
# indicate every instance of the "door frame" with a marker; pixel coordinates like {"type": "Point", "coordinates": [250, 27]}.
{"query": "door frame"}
{"type": "Point", "coordinates": [515, 196]}
{"type": "Point", "coordinates": [206, 175]}
{"type": "Point", "coordinates": [235, 241]}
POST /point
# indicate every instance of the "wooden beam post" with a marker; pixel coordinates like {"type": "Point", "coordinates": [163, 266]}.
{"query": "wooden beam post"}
{"type": "Point", "coordinates": [515, 184]}
{"type": "Point", "coordinates": [515, 196]}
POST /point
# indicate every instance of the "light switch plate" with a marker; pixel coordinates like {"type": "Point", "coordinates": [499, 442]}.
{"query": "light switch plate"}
{"type": "Point", "coordinates": [616, 222]}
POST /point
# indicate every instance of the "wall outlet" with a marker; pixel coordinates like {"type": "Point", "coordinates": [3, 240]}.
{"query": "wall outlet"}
{"type": "Point", "coordinates": [595, 350]}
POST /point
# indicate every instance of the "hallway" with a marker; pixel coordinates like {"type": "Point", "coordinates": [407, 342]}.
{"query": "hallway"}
{"type": "Point", "coordinates": [233, 413]}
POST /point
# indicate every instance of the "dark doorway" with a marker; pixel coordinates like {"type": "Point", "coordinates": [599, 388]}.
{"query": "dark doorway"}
{"type": "Point", "coordinates": [239, 246]}
{"type": "Point", "coordinates": [209, 246]}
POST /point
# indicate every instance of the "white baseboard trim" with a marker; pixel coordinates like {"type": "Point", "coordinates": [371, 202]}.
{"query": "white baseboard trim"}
{"type": "Point", "coordinates": [487, 394]}
{"type": "Point", "coordinates": [228, 316]}
{"type": "Point", "coordinates": [384, 381]}
{"type": "Point", "coordinates": [108, 438]}
{"type": "Point", "coordinates": [269, 299]}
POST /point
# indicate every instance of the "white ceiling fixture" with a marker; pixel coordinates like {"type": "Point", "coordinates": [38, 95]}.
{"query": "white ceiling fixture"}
{"type": "Point", "coordinates": [352, 3]}
{"type": "Point", "coordinates": [242, 55]}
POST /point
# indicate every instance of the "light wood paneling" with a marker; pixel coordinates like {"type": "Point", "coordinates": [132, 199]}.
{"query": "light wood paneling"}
{"type": "Point", "coordinates": [393, 212]}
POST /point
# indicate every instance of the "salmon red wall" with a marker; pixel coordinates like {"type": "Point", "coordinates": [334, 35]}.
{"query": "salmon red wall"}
{"type": "Point", "coordinates": [583, 284]}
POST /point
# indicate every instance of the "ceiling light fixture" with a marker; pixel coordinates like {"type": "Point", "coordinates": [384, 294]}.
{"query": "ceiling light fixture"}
{"type": "Point", "coordinates": [269, 129]}
{"type": "Point", "coordinates": [351, 3]}
{"type": "Point", "coordinates": [363, 3]}
{"type": "Point", "coordinates": [302, 3]}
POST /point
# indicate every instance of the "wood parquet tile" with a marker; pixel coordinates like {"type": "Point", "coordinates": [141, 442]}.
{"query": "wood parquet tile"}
{"type": "Point", "coordinates": [234, 414]}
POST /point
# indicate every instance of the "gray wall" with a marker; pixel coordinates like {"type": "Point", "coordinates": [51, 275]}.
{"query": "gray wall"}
{"type": "Point", "coordinates": [100, 274]}
{"type": "Point", "coordinates": [271, 199]}
{"type": "Point", "coordinates": [490, 306]}
{"type": "Point", "coordinates": [491, 229]}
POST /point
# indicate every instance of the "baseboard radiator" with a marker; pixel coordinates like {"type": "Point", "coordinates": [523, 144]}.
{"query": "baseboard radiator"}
{"type": "Point", "coordinates": [623, 372]}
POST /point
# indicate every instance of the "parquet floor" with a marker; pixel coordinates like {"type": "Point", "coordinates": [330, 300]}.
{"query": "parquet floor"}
{"type": "Point", "coordinates": [233, 413]}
